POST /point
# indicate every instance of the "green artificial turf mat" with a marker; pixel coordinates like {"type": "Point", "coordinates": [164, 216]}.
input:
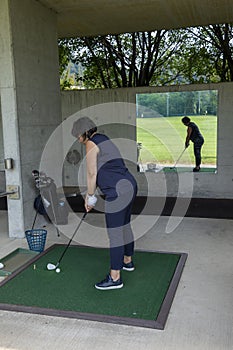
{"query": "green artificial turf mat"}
{"type": "Point", "coordinates": [15, 259]}
{"type": "Point", "coordinates": [72, 290]}
{"type": "Point", "coordinates": [180, 169]}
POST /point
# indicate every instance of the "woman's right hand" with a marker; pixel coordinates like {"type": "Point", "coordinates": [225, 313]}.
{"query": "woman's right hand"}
{"type": "Point", "coordinates": [88, 208]}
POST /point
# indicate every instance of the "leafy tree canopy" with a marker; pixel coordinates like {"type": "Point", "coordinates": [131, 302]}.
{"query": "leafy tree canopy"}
{"type": "Point", "coordinates": [192, 55]}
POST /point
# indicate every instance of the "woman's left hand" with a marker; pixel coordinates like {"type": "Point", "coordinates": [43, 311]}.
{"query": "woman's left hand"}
{"type": "Point", "coordinates": [90, 202]}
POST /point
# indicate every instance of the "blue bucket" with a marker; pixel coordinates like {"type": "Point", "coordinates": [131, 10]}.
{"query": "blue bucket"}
{"type": "Point", "coordinates": [36, 239]}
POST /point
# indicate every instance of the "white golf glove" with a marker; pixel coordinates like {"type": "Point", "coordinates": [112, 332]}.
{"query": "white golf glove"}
{"type": "Point", "coordinates": [91, 200]}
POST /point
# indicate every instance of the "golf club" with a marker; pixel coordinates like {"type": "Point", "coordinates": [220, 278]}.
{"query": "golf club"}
{"type": "Point", "coordinates": [51, 266]}
{"type": "Point", "coordinates": [178, 158]}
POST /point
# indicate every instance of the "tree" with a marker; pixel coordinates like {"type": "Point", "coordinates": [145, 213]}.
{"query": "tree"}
{"type": "Point", "coordinates": [184, 56]}
{"type": "Point", "coordinates": [221, 37]}
{"type": "Point", "coordinates": [65, 55]}
{"type": "Point", "coordinates": [125, 60]}
{"type": "Point", "coordinates": [206, 56]}
{"type": "Point", "coordinates": [216, 43]}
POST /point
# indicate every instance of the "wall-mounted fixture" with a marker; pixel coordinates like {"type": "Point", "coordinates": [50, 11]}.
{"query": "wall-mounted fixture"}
{"type": "Point", "coordinates": [12, 191]}
{"type": "Point", "coordinates": [8, 162]}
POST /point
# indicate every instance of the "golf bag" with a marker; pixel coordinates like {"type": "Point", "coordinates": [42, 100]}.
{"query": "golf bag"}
{"type": "Point", "coordinates": [47, 203]}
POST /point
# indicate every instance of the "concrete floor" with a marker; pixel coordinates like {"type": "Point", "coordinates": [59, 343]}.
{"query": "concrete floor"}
{"type": "Point", "coordinates": [201, 316]}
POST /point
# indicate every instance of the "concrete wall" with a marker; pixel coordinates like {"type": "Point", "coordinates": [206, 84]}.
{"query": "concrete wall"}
{"type": "Point", "coordinates": [30, 97]}
{"type": "Point", "coordinates": [1, 144]}
{"type": "Point", "coordinates": [2, 171]}
{"type": "Point", "coordinates": [9, 116]}
{"type": "Point", "coordinates": [203, 185]}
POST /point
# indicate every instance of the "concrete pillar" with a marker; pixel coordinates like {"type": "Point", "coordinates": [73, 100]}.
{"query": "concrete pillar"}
{"type": "Point", "coordinates": [30, 97]}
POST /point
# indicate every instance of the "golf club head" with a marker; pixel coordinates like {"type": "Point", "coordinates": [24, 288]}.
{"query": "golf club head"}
{"type": "Point", "coordinates": [51, 266]}
{"type": "Point", "coordinates": [1, 265]}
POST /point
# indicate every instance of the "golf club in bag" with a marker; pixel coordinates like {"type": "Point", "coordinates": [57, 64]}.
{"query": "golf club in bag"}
{"type": "Point", "coordinates": [178, 158]}
{"type": "Point", "coordinates": [51, 266]}
{"type": "Point", "coordinates": [47, 203]}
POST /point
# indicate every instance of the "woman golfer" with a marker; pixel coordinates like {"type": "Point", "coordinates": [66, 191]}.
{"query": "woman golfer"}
{"type": "Point", "coordinates": [106, 170]}
{"type": "Point", "coordinates": [193, 134]}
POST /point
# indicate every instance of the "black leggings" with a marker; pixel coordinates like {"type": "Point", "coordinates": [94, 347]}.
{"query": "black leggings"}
{"type": "Point", "coordinates": [197, 151]}
{"type": "Point", "coordinates": [117, 216]}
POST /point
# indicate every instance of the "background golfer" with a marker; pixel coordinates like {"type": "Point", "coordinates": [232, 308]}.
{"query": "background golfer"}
{"type": "Point", "coordinates": [194, 134]}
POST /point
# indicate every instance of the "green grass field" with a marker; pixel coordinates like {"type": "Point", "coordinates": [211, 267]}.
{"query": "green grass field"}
{"type": "Point", "coordinates": [163, 140]}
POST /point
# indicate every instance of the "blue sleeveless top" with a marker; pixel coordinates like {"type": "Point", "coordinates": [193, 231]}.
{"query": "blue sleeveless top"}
{"type": "Point", "coordinates": [110, 166]}
{"type": "Point", "coordinates": [195, 135]}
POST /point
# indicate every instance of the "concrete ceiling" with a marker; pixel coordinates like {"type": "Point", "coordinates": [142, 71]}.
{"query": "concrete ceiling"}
{"type": "Point", "coordinates": [94, 17]}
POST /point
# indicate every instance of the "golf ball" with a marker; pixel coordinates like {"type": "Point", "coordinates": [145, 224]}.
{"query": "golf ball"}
{"type": "Point", "coordinates": [58, 270]}
{"type": "Point", "coordinates": [1, 265]}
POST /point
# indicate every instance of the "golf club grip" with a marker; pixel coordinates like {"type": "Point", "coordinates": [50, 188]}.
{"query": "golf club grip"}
{"type": "Point", "coordinates": [83, 217]}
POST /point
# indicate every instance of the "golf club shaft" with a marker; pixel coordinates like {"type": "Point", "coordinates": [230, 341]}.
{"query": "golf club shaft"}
{"type": "Point", "coordinates": [179, 157]}
{"type": "Point", "coordinates": [37, 209]}
{"type": "Point", "coordinates": [83, 217]}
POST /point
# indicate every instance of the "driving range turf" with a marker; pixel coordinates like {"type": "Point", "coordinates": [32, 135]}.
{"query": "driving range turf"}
{"type": "Point", "coordinates": [145, 299]}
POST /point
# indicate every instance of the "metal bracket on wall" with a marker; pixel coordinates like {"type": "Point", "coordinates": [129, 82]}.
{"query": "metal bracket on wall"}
{"type": "Point", "coordinates": [12, 191]}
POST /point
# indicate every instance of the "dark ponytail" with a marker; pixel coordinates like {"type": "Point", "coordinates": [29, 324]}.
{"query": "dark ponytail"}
{"type": "Point", "coordinates": [90, 132]}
